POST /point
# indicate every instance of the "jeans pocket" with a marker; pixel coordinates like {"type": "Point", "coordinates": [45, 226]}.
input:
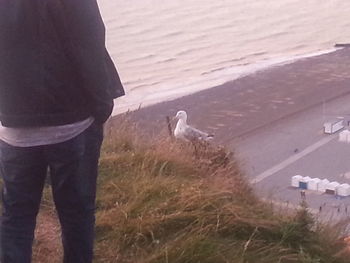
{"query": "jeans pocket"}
{"type": "Point", "coordinates": [96, 131]}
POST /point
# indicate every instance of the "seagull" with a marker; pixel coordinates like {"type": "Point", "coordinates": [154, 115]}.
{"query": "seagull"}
{"type": "Point", "coordinates": [185, 132]}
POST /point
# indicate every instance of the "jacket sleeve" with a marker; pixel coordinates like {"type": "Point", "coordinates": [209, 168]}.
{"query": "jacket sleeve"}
{"type": "Point", "coordinates": [83, 35]}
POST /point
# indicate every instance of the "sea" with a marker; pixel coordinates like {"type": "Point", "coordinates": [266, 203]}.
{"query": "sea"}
{"type": "Point", "coordinates": [165, 49]}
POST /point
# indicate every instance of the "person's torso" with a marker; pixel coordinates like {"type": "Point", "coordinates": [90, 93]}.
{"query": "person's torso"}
{"type": "Point", "coordinates": [45, 72]}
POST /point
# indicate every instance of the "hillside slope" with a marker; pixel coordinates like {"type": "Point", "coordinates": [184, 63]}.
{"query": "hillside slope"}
{"type": "Point", "coordinates": [161, 200]}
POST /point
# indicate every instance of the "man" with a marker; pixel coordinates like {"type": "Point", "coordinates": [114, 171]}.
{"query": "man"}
{"type": "Point", "coordinates": [57, 85]}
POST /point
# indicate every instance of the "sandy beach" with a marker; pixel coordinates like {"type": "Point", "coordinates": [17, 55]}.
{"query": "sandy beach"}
{"type": "Point", "coordinates": [240, 107]}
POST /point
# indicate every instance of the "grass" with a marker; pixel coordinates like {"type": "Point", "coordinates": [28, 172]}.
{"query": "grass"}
{"type": "Point", "coordinates": [160, 200]}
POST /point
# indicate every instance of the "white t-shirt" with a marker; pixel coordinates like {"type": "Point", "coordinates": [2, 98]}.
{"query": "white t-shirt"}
{"type": "Point", "coordinates": [35, 136]}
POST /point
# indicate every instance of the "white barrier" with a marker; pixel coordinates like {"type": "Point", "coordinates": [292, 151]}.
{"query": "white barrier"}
{"type": "Point", "coordinates": [296, 179]}
{"type": "Point", "coordinates": [333, 126]}
{"type": "Point", "coordinates": [343, 190]}
{"type": "Point", "coordinates": [303, 183]}
{"type": "Point", "coordinates": [313, 184]}
{"type": "Point", "coordinates": [332, 187]}
{"type": "Point", "coordinates": [323, 186]}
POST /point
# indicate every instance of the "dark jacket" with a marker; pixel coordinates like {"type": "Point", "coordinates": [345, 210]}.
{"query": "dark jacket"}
{"type": "Point", "coordinates": [54, 66]}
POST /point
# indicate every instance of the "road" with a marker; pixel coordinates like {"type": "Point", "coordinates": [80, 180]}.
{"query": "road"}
{"type": "Point", "coordinates": [297, 145]}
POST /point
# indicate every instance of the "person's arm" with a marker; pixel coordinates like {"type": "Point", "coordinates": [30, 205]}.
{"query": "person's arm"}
{"type": "Point", "coordinates": [84, 35]}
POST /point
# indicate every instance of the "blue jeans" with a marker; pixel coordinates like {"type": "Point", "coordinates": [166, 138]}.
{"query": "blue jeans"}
{"type": "Point", "coordinates": [73, 168]}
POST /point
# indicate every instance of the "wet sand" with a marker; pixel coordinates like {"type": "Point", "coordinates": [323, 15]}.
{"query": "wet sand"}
{"type": "Point", "coordinates": [241, 107]}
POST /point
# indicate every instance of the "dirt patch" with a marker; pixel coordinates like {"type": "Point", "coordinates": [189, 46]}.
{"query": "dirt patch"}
{"type": "Point", "coordinates": [47, 243]}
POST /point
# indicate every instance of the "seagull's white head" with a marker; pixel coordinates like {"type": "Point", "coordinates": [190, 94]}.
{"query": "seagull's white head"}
{"type": "Point", "coordinates": [181, 115]}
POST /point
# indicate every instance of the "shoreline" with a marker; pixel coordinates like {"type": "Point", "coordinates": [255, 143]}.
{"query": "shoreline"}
{"type": "Point", "coordinates": [246, 104]}
{"type": "Point", "coordinates": [224, 75]}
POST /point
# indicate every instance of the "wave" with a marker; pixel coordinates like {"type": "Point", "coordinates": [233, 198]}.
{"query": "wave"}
{"type": "Point", "coordinates": [246, 69]}
{"type": "Point", "coordinates": [141, 58]}
{"type": "Point", "coordinates": [213, 78]}
{"type": "Point", "coordinates": [166, 60]}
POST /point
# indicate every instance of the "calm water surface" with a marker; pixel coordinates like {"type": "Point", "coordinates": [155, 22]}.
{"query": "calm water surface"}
{"type": "Point", "coordinates": [169, 48]}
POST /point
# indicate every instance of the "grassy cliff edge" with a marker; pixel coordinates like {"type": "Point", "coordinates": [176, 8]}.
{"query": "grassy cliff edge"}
{"type": "Point", "coordinates": [160, 200]}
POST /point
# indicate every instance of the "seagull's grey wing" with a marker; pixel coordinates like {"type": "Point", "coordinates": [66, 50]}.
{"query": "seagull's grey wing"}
{"type": "Point", "coordinates": [191, 133]}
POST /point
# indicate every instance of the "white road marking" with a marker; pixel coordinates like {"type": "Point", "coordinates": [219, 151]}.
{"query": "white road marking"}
{"type": "Point", "coordinates": [293, 159]}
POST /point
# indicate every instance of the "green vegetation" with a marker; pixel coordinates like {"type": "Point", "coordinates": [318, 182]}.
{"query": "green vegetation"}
{"type": "Point", "coordinates": [162, 201]}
